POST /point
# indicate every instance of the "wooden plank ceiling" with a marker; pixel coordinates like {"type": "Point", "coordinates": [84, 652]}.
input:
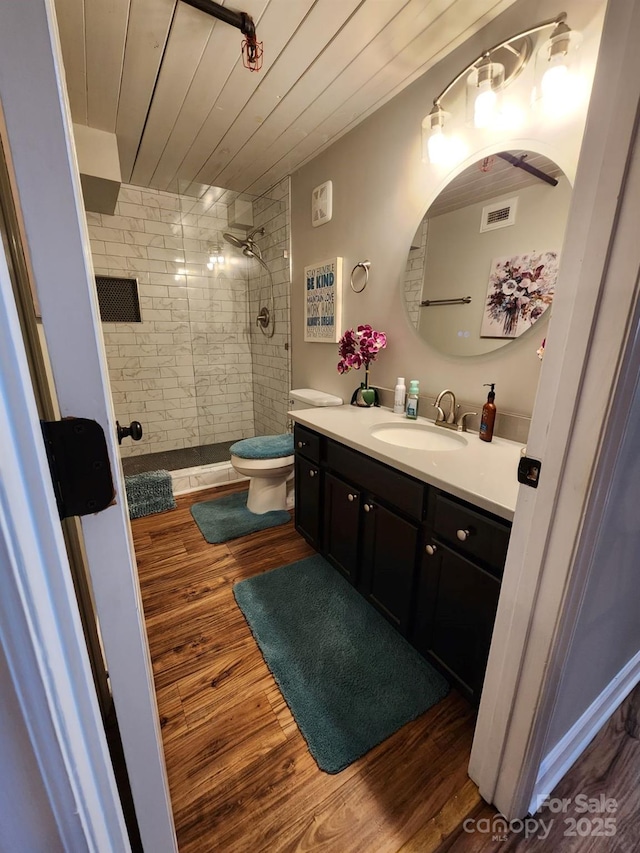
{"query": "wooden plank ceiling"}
{"type": "Point", "coordinates": [168, 79]}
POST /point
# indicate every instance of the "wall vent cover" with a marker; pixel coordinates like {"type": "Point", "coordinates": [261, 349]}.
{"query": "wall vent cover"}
{"type": "Point", "coordinates": [322, 204]}
{"type": "Point", "coordinates": [118, 299]}
{"type": "Point", "coordinates": [500, 214]}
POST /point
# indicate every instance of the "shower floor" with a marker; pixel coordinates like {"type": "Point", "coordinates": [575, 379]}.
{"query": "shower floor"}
{"type": "Point", "coordinates": [175, 460]}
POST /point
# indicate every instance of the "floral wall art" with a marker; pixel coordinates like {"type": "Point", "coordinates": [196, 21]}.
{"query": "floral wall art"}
{"type": "Point", "coordinates": [520, 289]}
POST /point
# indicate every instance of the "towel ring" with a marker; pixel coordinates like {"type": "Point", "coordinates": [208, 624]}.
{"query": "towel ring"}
{"type": "Point", "coordinates": [364, 265]}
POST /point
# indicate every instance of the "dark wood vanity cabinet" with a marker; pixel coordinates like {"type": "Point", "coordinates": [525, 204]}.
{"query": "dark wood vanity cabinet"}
{"type": "Point", "coordinates": [308, 486]}
{"type": "Point", "coordinates": [463, 555]}
{"type": "Point", "coordinates": [341, 540]}
{"type": "Point", "coordinates": [430, 563]}
{"type": "Point", "coordinates": [372, 517]}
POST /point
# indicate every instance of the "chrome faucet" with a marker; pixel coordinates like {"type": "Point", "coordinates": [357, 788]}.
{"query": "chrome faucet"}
{"type": "Point", "coordinates": [450, 421]}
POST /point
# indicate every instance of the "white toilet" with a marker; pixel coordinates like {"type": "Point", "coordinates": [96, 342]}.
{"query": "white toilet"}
{"type": "Point", "coordinates": [268, 459]}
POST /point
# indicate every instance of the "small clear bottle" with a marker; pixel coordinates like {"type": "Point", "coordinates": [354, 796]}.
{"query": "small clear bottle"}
{"type": "Point", "coordinates": [412, 399]}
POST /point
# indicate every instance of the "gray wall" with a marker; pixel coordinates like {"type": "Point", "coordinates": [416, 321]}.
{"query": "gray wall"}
{"type": "Point", "coordinates": [381, 191]}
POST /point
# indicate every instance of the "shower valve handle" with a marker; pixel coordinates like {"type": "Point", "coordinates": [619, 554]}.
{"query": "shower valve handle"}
{"type": "Point", "coordinates": [263, 318]}
{"type": "Point", "coordinates": [134, 431]}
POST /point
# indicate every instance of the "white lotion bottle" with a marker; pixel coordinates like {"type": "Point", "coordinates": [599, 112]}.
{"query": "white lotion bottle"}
{"type": "Point", "coordinates": [399, 396]}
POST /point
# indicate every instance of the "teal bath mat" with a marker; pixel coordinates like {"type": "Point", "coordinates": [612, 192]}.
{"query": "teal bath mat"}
{"type": "Point", "coordinates": [228, 518]}
{"type": "Point", "coordinates": [149, 492]}
{"type": "Point", "coordinates": [348, 677]}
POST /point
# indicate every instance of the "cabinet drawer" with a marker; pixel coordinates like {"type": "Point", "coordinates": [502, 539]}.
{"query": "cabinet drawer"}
{"type": "Point", "coordinates": [470, 533]}
{"type": "Point", "coordinates": [391, 486]}
{"type": "Point", "coordinates": [307, 443]}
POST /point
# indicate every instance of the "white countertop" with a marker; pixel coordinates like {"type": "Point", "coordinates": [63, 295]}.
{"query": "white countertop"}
{"type": "Point", "coordinates": [482, 473]}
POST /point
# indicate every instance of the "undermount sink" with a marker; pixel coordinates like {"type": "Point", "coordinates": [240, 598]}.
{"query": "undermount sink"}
{"type": "Point", "coordinates": [419, 436]}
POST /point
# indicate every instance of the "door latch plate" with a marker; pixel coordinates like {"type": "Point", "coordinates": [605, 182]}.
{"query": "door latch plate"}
{"type": "Point", "coordinates": [529, 471]}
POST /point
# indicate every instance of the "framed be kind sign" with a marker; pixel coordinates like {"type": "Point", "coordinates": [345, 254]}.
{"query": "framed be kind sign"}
{"type": "Point", "coordinates": [323, 301]}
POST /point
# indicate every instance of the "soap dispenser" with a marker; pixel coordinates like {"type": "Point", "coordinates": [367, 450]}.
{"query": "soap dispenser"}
{"type": "Point", "coordinates": [412, 400]}
{"type": "Point", "coordinates": [488, 414]}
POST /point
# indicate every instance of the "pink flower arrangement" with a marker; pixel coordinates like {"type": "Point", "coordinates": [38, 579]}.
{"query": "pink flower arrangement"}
{"type": "Point", "coordinates": [359, 347]}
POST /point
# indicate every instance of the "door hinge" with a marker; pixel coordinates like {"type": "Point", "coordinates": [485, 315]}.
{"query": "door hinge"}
{"type": "Point", "coordinates": [79, 465]}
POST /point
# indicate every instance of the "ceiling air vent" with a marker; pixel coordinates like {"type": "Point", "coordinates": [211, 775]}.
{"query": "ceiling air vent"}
{"type": "Point", "coordinates": [500, 214]}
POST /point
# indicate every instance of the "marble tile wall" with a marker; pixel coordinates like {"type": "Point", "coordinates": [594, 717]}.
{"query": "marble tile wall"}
{"type": "Point", "coordinates": [271, 355]}
{"type": "Point", "coordinates": [414, 273]}
{"type": "Point", "coordinates": [196, 370]}
{"type": "Point", "coordinates": [185, 371]}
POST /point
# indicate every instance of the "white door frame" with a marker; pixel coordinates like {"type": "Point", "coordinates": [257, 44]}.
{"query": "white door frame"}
{"type": "Point", "coordinates": [40, 630]}
{"type": "Point", "coordinates": [40, 145]}
{"type": "Point", "coordinates": [588, 334]}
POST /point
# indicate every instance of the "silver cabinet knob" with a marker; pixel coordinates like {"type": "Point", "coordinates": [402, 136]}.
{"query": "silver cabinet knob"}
{"type": "Point", "coordinates": [301, 443]}
{"type": "Point", "coordinates": [431, 549]}
{"type": "Point", "coordinates": [312, 473]}
{"type": "Point", "coordinates": [463, 535]}
{"type": "Point", "coordinates": [368, 507]}
{"type": "Point", "coordinates": [351, 498]}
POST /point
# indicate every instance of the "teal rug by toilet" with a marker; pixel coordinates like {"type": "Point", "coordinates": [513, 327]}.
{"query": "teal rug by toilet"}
{"type": "Point", "coordinates": [348, 677]}
{"type": "Point", "coordinates": [228, 518]}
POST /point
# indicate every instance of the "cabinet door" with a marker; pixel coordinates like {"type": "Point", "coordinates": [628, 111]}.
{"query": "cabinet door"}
{"type": "Point", "coordinates": [458, 602]}
{"type": "Point", "coordinates": [341, 528]}
{"type": "Point", "coordinates": [388, 562]}
{"type": "Point", "coordinates": [308, 500]}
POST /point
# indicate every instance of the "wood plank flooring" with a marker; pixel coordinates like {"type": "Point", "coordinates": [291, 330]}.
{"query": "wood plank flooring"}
{"type": "Point", "coordinates": [240, 774]}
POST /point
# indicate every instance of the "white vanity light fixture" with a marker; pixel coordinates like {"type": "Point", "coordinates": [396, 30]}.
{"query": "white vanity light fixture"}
{"type": "Point", "coordinates": [556, 81]}
{"type": "Point", "coordinates": [438, 146]}
{"type": "Point", "coordinates": [488, 75]}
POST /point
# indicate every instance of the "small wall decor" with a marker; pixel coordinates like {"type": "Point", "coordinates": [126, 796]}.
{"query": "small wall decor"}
{"type": "Point", "coordinates": [520, 289]}
{"type": "Point", "coordinates": [323, 301]}
{"type": "Point", "coordinates": [322, 204]}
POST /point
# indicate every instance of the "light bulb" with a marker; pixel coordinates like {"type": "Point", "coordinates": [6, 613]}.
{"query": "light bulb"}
{"type": "Point", "coordinates": [438, 146]}
{"type": "Point", "coordinates": [556, 87]}
{"type": "Point", "coordinates": [484, 107]}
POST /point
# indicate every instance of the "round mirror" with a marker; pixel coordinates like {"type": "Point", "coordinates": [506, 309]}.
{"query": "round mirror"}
{"type": "Point", "coordinates": [483, 263]}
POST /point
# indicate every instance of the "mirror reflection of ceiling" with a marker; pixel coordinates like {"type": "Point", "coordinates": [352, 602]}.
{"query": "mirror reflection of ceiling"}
{"type": "Point", "coordinates": [507, 270]}
{"type": "Point", "coordinates": [168, 81]}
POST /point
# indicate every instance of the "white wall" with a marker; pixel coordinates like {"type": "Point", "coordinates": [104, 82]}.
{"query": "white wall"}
{"type": "Point", "coordinates": [381, 190]}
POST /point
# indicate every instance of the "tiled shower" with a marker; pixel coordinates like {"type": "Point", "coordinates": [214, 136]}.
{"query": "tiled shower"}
{"type": "Point", "coordinates": [196, 371]}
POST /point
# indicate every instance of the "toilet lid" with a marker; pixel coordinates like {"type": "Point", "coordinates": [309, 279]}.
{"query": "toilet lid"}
{"type": "Point", "coordinates": [264, 447]}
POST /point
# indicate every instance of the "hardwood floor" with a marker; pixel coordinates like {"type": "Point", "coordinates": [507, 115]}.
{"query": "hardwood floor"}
{"type": "Point", "coordinates": [240, 774]}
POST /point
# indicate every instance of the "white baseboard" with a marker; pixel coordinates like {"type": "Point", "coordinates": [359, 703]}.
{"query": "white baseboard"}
{"type": "Point", "coordinates": [566, 752]}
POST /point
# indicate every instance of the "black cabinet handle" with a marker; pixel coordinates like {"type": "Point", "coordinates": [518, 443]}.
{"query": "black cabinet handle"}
{"type": "Point", "coordinates": [134, 430]}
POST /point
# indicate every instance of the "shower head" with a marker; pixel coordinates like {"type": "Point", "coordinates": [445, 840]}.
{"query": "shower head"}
{"type": "Point", "coordinates": [235, 241]}
{"type": "Point", "coordinates": [248, 247]}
